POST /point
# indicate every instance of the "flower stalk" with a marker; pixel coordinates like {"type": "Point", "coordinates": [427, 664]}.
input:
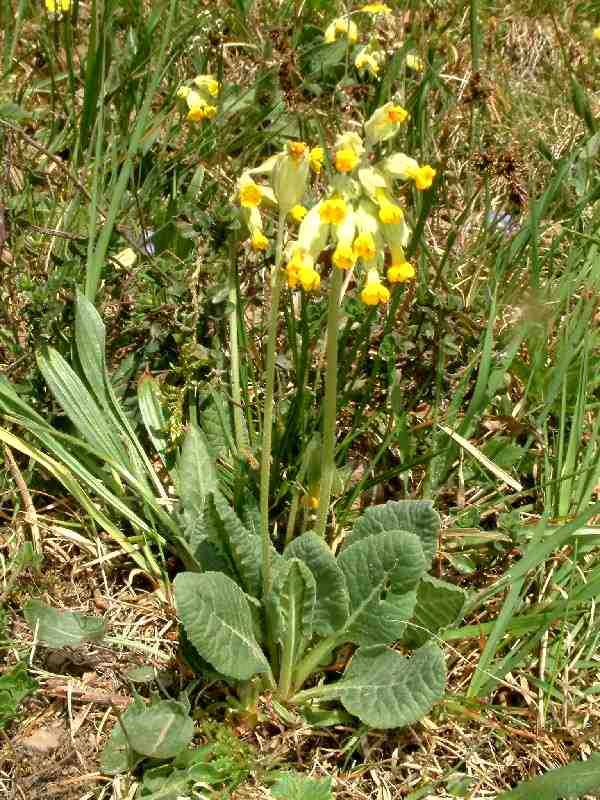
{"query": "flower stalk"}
{"type": "Point", "coordinates": [329, 413]}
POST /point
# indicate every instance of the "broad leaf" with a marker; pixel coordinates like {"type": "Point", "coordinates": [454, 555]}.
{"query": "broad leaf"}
{"type": "Point", "coordinates": [572, 781]}
{"type": "Point", "coordinates": [386, 690]}
{"type": "Point", "coordinates": [217, 619]}
{"type": "Point", "coordinates": [196, 470]}
{"type": "Point", "coordinates": [294, 786]}
{"type": "Point", "coordinates": [238, 545]}
{"type": "Point", "coordinates": [416, 516]}
{"type": "Point", "coordinates": [387, 563]}
{"type": "Point", "coordinates": [331, 609]}
{"type": "Point", "coordinates": [292, 606]}
{"type": "Point", "coordinates": [439, 604]}
{"type": "Point", "coordinates": [15, 685]}
{"type": "Point", "coordinates": [57, 628]}
{"type": "Point", "coordinates": [162, 729]}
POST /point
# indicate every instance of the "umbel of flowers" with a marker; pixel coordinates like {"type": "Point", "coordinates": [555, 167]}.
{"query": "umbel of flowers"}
{"type": "Point", "coordinates": [200, 97]}
{"type": "Point", "coordinates": [358, 217]}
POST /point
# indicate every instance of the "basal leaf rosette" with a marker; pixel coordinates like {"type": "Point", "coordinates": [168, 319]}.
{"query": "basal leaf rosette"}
{"type": "Point", "coordinates": [360, 219]}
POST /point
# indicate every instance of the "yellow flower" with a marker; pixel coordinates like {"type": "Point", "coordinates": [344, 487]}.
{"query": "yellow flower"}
{"type": "Point", "coordinates": [316, 157]}
{"type": "Point", "coordinates": [596, 33]}
{"type": "Point", "coordinates": [333, 210]}
{"type": "Point", "coordinates": [250, 192]}
{"type": "Point", "coordinates": [301, 270]}
{"type": "Point", "coordinates": [371, 58]}
{"type": "Point", "coordinates": [364, 246]}
{"type": "Point", "coordinates": [259, 241]}
{"type": "Point", "coordinates": [341, 27]}
{"type": "Point", "coordinates": [58, 7]}
{"type": "Point", "coordinates": [385, 122]}
{"type": "Point", "coordinates": [389, 212]}
{"type": "Point", "coordinates": [400, 273]}
{"type": "Point", "coordinates": [297, 213]}
{"type": "Point", "coordinates": [207, 83]}
{"type": "Point", "coordinates": [376, 8]}
{"type": "Point", "coordinates": [313, 502]}
{"type": "Point", "coordinates": [182, 92]}
{"type": "Point", "coordinates": [424, 177]}
{"type": "Point", "coordinates": [346, 159]}
{"type": "Point", "coordinates": [414, 62]}
{"type": "Point", "coordinates": [198, 113]}
{"type": "Point", "coordinates": [344, 256]}
{"type": "Point", "coordinates": [374, 291]}
{"type": "Point", "coordinates": [296, 149]}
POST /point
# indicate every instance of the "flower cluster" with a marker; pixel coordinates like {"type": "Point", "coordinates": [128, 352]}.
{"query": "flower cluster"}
{"type": "Point", "coordinates": [200, 97]}
{"type": "Point", "coordinates": [371, 57]}
{"type": "Point", "coordinates": [357, 218]}
{"type": "Point", "coordinates": [56, 8]}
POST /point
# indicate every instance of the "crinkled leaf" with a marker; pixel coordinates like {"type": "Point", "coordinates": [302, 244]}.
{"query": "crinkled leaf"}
{"type": "Point", "coordinates": [218, 622]}
{"type": "Point", "coordinates": [292, 605]}
{"type": "Point", "coordinates": [438, 605]}
{"type": "Point", "coordinates": [390, 564]}
{"type": "Point", "coordinates": [294, 786]}
{"type": "Point", "coordinates": [196, 470]}
{"type": "Point", "coordinates": [386, 690]}
{"type": "Point", "coordinates": [57, 628]}
{"type": "Point", "coordinates": [416, 516]}
{"type": "Point", "coordinates": [331, 609]}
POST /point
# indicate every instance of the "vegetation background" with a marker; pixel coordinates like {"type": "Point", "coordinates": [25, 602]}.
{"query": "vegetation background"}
{"type": "Point", "coordinates": [477, 387]}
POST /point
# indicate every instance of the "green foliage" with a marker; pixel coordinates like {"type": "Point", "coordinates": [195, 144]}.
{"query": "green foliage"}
{"type": "Point", "coordinates": [57, 628]}
{"type": "Point", "coordinates": [366, 596]}
{"type": "Point", "coordinates": [15, 685]}
{"type": "Point", "coordinates": [571, 781]}
{"type": "Point", "coordinates": [293, 786]}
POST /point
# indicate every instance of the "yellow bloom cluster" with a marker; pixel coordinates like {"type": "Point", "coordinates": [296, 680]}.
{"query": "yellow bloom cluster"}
{"type": "Point", "coordinates": [56, 8]}
{"type": "Point", "coordinates": [596, 33]}
{"type": "Point", "coordinates": [200, 97]}
{"type": "Point", "coordinates": [357, 217]}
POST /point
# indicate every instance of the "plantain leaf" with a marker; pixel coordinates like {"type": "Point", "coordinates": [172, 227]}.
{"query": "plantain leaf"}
{"type": "Point", "coordinates": [388, 564]}
{"type": "Point", "coordinates": [386, 690]}
{"type": "Point", "coordinates": [58, 628]}
{"type": "Point", "coordinates": [217, 619]}
{"type": "Point", "coordinates": [439, 604]}
{"type": "Point", "coordinates": [331, 608]}
{"type": "Point", "coordinates": [415, 516]}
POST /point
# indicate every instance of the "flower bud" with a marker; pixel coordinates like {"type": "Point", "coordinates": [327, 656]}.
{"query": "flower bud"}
{"type": "Point", "coordinates": [313, 232]}
{"type": "Point", "coordinates": [384, 122]}
{"type": "Point", "coordinates": [290, 175]}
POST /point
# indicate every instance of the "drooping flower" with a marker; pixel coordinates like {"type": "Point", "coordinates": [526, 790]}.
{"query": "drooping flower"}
{"type": "Point", "coordinates": [250, 192]}
{"type": "Point", "coordinates": [313, 233]}
{"type": "Point", "coordinates": [200, 100]}
{"type": "Point", "coordinates": [401, 272]}
{"type": "Point", "coordinates": [259, 241]}
{"type": "Point", "coordinates": [316, 158]}
{"type": "Point", "coordinates": [342, 26]}
{"type": "Point", "coordinates": [199, 112]}
{"type": "Point", "coordinates": [389, 212]}
{"type": "Point", "coordinates": [333, 210]}
{"type": "Point", "coordinates": [371, 57]}
{"type": "Point", "coordinates": [298, 212]}
{"type": "Point", "coordinates": [414, 62]}
{"type": "Point", "coordinates": [207, 83]}
{"type": "Point", "coordinates": [344, 256]}
{"type": "Point", "coordinates": [596, 33]}
{"type": "Point", "coordinates": [385, 122]}
{"type": "Point", "coordinates": [301, 271]}
{"type": "Point", "coordinates": [424, 177]}
{"type": "Point", "coordinates": [364, 246]}
{"type": "Point", "coordinates": [345, 160]}
{"type": "Point", "coordinates": [374, 292]}
{"type": "Point", "coordinates": [376, 8]}
{"type": "Point", "coordinates": [289, 175]}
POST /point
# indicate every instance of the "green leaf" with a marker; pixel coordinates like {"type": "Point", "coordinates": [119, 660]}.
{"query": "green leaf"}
{"type": "Point", "coordinates": [14, 686]}
{"type": "Point", "coordinates": [291, 606]}
{"type": "Point", "coordinates": [438, 605]}
{"type": "Point", "coordinates": [386, 690]}
{"type": "Point", "coordinates": [571, 781]}
{"type": "Point", "coordinates": [197, 471]}
{"type": "Point", "coordinates": [57, 628]}
{"type": "Point", "coordinates": [153, 417]}
{"type": "Point", "coordinates": [331, 609]}
{"type": "Point", "coordinates": [389, 563]}
{"type": "Point", "coordinates": [218, 622]}
{"type": "Point", "coordinates": [415, 516]}
{"type": "Point", "coordinates": [293, 786]}
{"type": "Point", "coordinates": [162, 729]}
{"type": "Point", "coordinates": [241, 548]}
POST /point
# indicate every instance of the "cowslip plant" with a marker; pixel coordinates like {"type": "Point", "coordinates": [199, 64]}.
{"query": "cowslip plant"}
{"type": "Point", "coordinates": [269, 620]}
